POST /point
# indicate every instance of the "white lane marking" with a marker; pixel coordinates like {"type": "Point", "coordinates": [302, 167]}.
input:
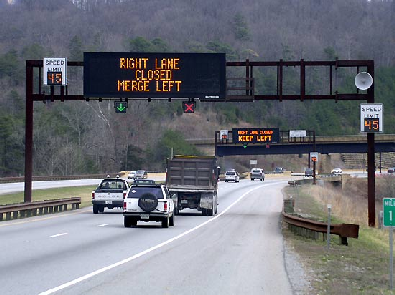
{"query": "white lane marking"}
{"type": "Point", "coordinates": [104, 224]}
{"type": "Point", "coordinates": [58, 235]}
{"type": "Point", "coordinates": [104, 269]}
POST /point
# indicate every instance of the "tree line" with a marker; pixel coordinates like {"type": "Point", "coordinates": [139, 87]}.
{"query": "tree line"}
{"type": "Point", "coordinates": [88, 137]}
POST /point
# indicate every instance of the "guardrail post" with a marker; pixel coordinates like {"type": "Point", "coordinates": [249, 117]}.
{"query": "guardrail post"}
{"type": "Point", "coordinates": [45, 210]}
{"type": "Point", "coordinates": [65, 207]}
{"type": "Point", "coordinates": [50, 209]}
{"type": "Point", "coordinates": [1, 216]}
{"type": "Point", "coordinates": [14, 215]}
{"type": "Point", "coordinates": [8, 216]}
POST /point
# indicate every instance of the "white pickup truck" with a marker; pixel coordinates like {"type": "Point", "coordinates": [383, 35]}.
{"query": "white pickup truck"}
{"type": "Point", "coordinates": [110, 193]}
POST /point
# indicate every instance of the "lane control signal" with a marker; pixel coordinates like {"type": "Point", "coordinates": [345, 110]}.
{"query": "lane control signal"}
{"type": "Point", "coordinates": [188, 107]}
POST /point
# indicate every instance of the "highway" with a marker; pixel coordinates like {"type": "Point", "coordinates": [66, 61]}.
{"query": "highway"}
{"type": "Point", "coordinates": [239, 251]}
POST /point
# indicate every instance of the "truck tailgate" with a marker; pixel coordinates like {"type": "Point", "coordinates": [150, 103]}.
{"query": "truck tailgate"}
{"type": "Point", "coordinates": [118, 195]}
{"type": "Point", "coordinates": [196, 173]}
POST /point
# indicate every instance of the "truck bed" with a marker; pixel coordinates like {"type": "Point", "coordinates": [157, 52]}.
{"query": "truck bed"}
{"type": "Point", "coordinates": [193, 173]}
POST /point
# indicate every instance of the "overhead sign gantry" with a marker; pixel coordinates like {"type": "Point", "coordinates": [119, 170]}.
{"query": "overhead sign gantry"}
{"type": "Point", "coordinates": [131, 75]}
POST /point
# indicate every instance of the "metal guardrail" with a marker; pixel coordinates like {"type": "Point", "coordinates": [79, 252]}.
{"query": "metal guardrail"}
{"type": "Point", "coordinates": [59, 177]}
{"type": "Point", "coordinates": [343, 230]}
{"type": "Point", "coordinates": [15, 211]}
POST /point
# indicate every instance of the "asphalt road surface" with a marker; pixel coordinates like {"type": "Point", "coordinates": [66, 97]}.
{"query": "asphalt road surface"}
{"type": "Point", "coordinates": [239, 251]}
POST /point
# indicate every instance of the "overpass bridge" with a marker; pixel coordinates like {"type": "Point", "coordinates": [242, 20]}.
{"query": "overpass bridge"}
{"type": "Point", "coordinates": [384, 143]}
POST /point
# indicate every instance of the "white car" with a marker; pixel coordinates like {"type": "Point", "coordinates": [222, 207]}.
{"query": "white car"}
{"type": "Point", "coordinates": [232, 176]}
{"type": "Point", "coordinates": [337, 171]}
{"type": "Point", "coordinates": [132, 175]}
{"type": "Point", "coordinates": [148, 202]}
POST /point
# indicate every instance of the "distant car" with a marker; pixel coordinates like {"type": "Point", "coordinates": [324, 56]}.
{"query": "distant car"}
{"type": "Point", "coordinates": [232, 175]}
{"type": "Point", "coordinates": [132, 175]}
{"type": "Point", "coordinates": [279, 170]}
{"type": "Point", "coordinates": [257, 173]}
{"type": "Point", "coordinates": [141, 174]}
{"type": "Point", "coordinates": [143, 181]}
{"type": "Point", "coordinates": [391, 170]}
{"type": "Point", "coordinates": [309, 172]}
{"type": "Point", "coordinates": [337, 171]}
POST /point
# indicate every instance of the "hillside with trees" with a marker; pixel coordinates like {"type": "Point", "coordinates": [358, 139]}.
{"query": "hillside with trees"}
{"type": "Point", "coordinates": [88, 137]}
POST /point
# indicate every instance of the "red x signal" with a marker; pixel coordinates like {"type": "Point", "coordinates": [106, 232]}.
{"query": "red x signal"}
{"type": "Point", "coordinates": [188, 107]}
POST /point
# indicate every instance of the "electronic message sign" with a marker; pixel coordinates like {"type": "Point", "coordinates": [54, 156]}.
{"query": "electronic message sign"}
{"type": "Point", "coordinates": [155, 75]}
{"type": "Point", "coordinates": [255, 135]}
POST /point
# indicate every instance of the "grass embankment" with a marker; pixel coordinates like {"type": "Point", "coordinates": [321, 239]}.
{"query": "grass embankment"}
{"type": "Point", "coordinates": [362, 267]}
{"type": "Point", "coordinates": [84, 192]}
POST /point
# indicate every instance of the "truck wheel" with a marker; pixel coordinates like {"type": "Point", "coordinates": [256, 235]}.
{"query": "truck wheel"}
{"type": "Point", "coordinates": [261, 179]}
{"type": "Point", "coordinates": [127, 221]}
{"type": "Point", "coordinates": [95, 209]}
{"type": "Point", "coordinates": [204, 212]}
{"type": "Point", "coordinates": [134, 222]}
{"type": "Point", "coordinates": [101, 209]}
{"type": "Point", "coordinates": [252, 179]}
{"type": "Point", "coordinates": [148, 202]}
{"type": "Point", "coordinates": [171, 221]}
{"type": "Point", "coordinates": [165, 222]}
{"type": "Point", "coordinates": [210, 212]}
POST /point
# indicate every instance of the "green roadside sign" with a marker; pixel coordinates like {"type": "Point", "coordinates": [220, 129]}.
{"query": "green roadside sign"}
{"type": "Point", "coordinates": [389, 211]}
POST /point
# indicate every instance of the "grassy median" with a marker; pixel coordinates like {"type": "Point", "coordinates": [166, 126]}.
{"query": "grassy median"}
{"type": "Point", "coordinates": [84, 192]}
{"type": "Point", "coordinates": [362, 267]}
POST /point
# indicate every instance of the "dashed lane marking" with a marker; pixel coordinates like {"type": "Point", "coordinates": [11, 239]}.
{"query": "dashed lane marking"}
{"type": "Point", "coordinates": [58, 235]}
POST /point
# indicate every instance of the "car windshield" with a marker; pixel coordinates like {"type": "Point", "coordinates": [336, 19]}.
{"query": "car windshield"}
{"type": "Point", "coordinates": [144, 181]}
{"type": "Point", "coordinates": [112, 184]}
{"type": "Point", "coordinates": [256, 170]}
{"type": "Point", "coordinates": [137, 192]}
{"type": "Point", "coordinates": [230, 173]}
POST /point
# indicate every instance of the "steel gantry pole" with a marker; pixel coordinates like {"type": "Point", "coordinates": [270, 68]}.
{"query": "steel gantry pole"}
{"type": "Point", "coordinates": [371, 159]}
{"type": "Point", "coordinates": [29, 133]}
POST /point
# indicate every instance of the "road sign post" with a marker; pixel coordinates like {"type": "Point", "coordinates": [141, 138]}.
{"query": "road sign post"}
{"type": "Point", "coordinates": [328, 228]}
{"type": "Point", "coordinates": [314, 159]}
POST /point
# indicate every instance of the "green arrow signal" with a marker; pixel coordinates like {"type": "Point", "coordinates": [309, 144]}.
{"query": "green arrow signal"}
{"type": "Point", "coordinates": [121, 107]}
